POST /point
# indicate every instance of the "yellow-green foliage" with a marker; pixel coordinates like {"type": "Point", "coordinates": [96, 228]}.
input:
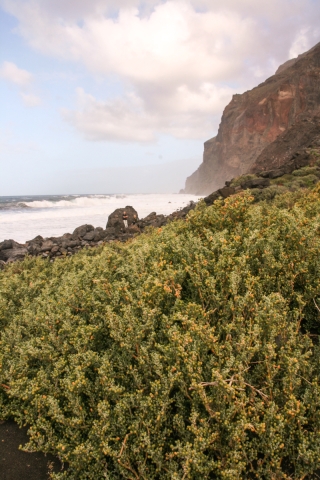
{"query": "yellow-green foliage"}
{"type": "Point", "coordinates": [235, 182]}
{"type": "Point", "coordinates": [190, 353]}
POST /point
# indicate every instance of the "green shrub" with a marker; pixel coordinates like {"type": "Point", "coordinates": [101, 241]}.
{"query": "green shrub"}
{"type": "Point", "coordinates": [242, 179]}
{"type": "Point", "coordinates": [268, 193]}
{"type": "Point", "coordinates": [302, 172]}
{"type": "Point", "coordinates": [190, 353]}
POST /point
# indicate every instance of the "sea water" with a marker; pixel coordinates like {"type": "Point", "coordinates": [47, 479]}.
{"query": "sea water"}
{"type": "Point", "coordinates": [24, 217]}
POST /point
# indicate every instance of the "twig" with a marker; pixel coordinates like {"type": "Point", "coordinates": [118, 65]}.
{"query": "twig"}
{"type": "Point", "coordinates": [305, 379]}
{"type": "Point", "coordinates": [316, 305]}
{"type": "Point", "coordinates": [127, 467]}
{"type": "Point", "coordinates": [124, 444]}
{"type": "Point", "coordinates": [230, 380]}
{"type": "Point", "coordinates": [212, 384]}
{"type": "Point", "coordinates": [254, 388]}
{"type": "Point", "coordinates": [5, 386]}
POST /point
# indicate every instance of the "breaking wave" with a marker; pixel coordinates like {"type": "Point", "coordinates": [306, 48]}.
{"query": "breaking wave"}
{"type": "Point", "coordinates": [67, 201]}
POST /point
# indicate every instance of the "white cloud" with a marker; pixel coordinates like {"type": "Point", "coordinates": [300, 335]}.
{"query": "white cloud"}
{"type": "Point", "coordinates": [130, 119]}
{"type": "Point", "coordinates": [172, 42]}
{"type": "Point", "coordinates": [302, 43]}
{"type": "Point", "coordinates": [179, 60]}
{"type": "Point", "coordinates": [30, 100]}
{"type": "Point", "coordinates": [22, 79]}
{"type": "Point", "coordinates": [121, 119]}
{"type": "Point", "coordinates": [9, 71]}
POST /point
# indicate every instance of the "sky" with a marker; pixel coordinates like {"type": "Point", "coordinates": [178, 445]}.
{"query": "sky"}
{"type": "Point", "coordinates": [101, 96]}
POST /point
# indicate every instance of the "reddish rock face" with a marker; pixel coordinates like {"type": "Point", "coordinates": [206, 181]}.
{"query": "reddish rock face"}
{"type": "Point", "coordinates": [254, 120]}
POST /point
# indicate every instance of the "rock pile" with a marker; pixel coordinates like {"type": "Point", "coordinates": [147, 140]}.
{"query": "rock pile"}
{"type": "Point", "coordinates": [87, 236]}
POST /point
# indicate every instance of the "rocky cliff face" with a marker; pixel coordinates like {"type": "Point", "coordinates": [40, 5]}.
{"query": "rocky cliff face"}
{"type": "Point", "coordinates": [284, 108]}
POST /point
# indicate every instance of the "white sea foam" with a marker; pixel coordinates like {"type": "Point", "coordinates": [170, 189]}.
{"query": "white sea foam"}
{"type": "Point", "coordinates": [55, 216]}
{"type": "Point", "coordinates": [90, 201]}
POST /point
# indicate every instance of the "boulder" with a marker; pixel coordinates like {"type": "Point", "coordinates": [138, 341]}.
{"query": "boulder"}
{"type": "Point", "coordinates": [256, 183]}
{"type": "Point", "coordinates": [108, 234]}
{"type": "Point", "coordinates": [115, 219]}
{"type": "Point", "coordinates": [6, 244]}
{"type": "Point", "coordinates": [153, 220]}
{"type": "Point", "coordinates": [46, 246]}
{"type": "Point", "coordinates": [89, 236]}
{"type": "Point", "coordinates": [38, 239]}
{"type": "Point", "coordinates": [226, 191]}
{"type": "Point", "coordinates": [80, 232]}
{"type": "Point", "coordinates": [34, 248]}
{"type": "Point", "coordinates": [210, 199]}
{"type": "Point", "coordinates": [272, 173]}
{"type": "Point", "coordinates": [134, 229]}
{"type": "Point", "coordinates": [69, 243]}
{"type": "Point", "coordinates": [13, 254]}
{"type": "Point", "coordinates": [95, 235]}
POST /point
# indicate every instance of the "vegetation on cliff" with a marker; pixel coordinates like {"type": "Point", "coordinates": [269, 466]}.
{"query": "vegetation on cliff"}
{"type": "Point", "coordinates": [190, 352]}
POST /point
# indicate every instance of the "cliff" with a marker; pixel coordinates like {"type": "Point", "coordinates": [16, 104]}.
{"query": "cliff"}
{"type": "Point", "coordinates": [260, 127]}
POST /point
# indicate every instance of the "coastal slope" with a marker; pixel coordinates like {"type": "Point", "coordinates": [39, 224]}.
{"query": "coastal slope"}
{"type": "Point", "coordinates": [286, 107]}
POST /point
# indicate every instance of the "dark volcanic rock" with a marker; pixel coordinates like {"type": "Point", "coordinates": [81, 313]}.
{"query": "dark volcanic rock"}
{"type": "Point", "coordinates": [46, 246]}
{"type": "Point", "coordinates": [210, 199]}
{"type": "Point", "coordinates": [224, 192]}
{"type": "Point", "coordinates": [80, 232]}
{"type": "Point", "coordinates": [13, 254]}
{"type": "Point", "coordinates": [6, 244]}
{"type": "Point", "coordinates": [115, 219]}
{"type": "Point", "coordinates": [11, 251]}
{"type": "Point", "coordinates": [274, 174]}
{"type": "Point", "coordinates": [256, 183]}
{"type": "Point", "coordinates": [38, 239]}
{"type": "Point", "coordinates": [109, 232]}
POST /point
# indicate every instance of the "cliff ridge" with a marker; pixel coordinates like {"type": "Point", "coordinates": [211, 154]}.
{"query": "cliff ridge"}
{"type": "Point", "coordinates": [258, 126]}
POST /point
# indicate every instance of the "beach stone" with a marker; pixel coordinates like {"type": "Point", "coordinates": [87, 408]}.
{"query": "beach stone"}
{"type": "Point", "coordinates": [34, 249]}
{"type": "Point", "coordinates": [81, 231]}
{"type": "Point", "coordinates": [66, 236]}
{"type": "Point", "coordinates": [70, 243]}
{"type": "Point", "coordinates": [99, 234]}
{"type": "Point", "coordinates": [89, 236]}
{"type": "Point", "coordinates": [6, 244]}
{"type": "Point", "coordinates": [46, 246]}
{"type": "Point", "coordinates": [13, 254]}
{"type": "Point", "coordinates": [38, 240]}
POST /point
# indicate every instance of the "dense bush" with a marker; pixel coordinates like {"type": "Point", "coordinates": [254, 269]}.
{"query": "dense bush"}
{"type": "Point", "coordinates": [237, 181]}
{"type": "Point", "coordinates": [190, 353]}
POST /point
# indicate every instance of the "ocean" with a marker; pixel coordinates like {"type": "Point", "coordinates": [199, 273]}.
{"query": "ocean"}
{"type": "Point", "coordinates": [24, 217]}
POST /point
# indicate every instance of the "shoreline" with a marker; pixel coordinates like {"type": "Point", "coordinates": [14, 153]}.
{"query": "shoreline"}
{"type": "Point", "coordinates": [264, 185]}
